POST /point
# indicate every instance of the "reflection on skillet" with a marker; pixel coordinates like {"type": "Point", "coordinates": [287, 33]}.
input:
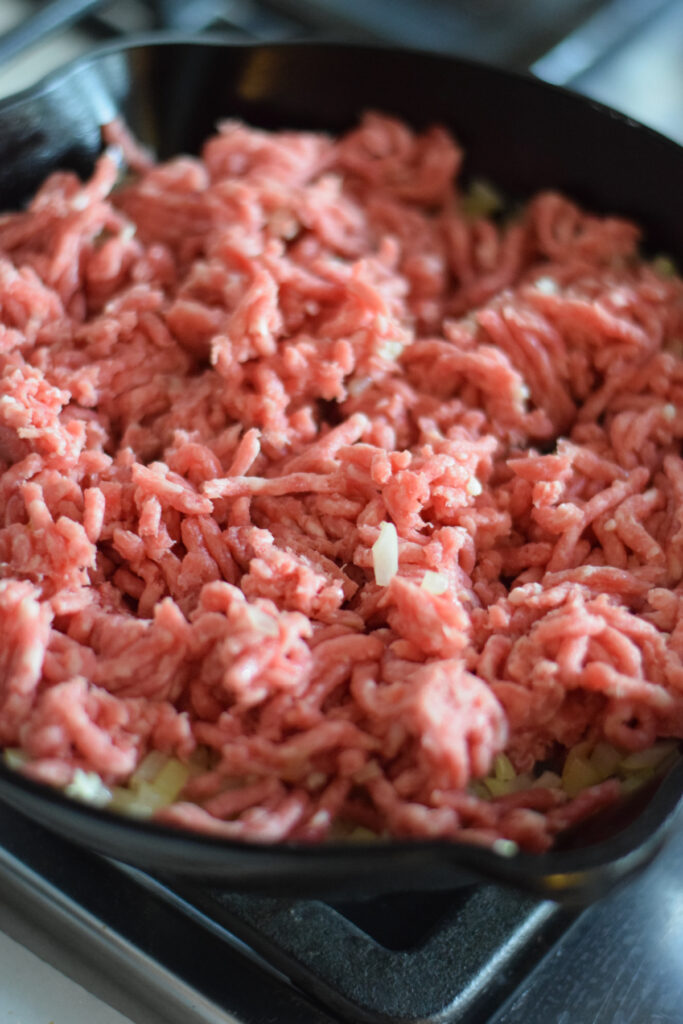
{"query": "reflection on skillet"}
{"type": "Point", "coordinates": [360, 619]}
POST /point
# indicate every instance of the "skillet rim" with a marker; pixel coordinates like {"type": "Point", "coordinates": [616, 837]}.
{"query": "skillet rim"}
{"type": "Point", "coordinates": [569, 876]}
{"type": "Point", "coordinates": [564, 874]}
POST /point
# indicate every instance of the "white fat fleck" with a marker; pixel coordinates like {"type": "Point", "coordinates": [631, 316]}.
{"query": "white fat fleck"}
{"type": "Point", "coordinates": [385, 555]}
{"type": "Point", "coordinates": [521, 393]}
{"type": "Point", "coordinates": [434, 582]}
{"type": "Point", "coordinates": [262, 621]}
{"type": "Point", "coordinates": [320, 818]}
{"type": "Point", "coordinates": [473, 487]}
{"type": "Point", "coordinates": [80, 201]}
{"type": "Point", "coordinates": [127, 232]}
{"type": "Point", "coordinates": [505, 847]}
{"type": "Point", "coordinates": [88, 787]}
{"type": "Point", "coordinates": [669, 412]}
{"type": "Point", "coordinates": [610, 526]}
{"type": "Point", "coordinates": [521, 594]}
{"type": "Point", "coordinates": [314, 529]}
{"type": "Point", "coordinates": [358, 386]}
{"type": "Point", "coordinates": [8, 401]}
{"type": "Point", "coordinates": [391, 350]}
{"type": "Point", "coordinates": [547, 286]}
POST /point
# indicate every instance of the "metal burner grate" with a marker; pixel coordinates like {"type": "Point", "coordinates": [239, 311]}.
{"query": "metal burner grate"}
{"type": "Point", "coordinates": [452, 958]}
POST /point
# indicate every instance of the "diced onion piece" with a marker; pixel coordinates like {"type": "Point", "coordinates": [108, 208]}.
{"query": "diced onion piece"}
{"type": "Point", "coordinates": [547, 780]}
{"type": "Point", "coordinates": [148, 769]}
{"type": "Point", "coordinates": [481, 199]}
{"type": "Point", "coordinates": [360, 834]}
{"type": "Point", "coordinates": [605, 759]}
{"type": "Point", "coordinates": [647, 759]}
{"type": "Point", "coordinates": [505, 847]}
{"type": "Point", "coordinates": [127, 801]}
{"type": "Point", "coordinates": [150, 796]}
{"type": "Point", "coordinates": [434, 582]}
{"type": "Point", "coordinates": [477, 788]}
{"type": "Point", "coordinates": [502, 768]}
{"type": "Point", "coordinates": [664, 266]}
{"type": "Point", "coordinates": [171, 779]}
{"type": "Point", "coordinates": [578, 773]}
{"type": "Point", "coordinates": [88, 787]}
{"type": "Point", "coordinates": [636, 780]}
{"type": "Point", "coordinates": [500, 787]}
{"type": "Point", "coordinates": [385, 555]}
{"type": "Point", "coordinates": [15, 758]}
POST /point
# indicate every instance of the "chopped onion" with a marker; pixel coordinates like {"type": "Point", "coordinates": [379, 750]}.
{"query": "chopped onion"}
{"type": "Point", "coordinates": [15, 758]}
{"type": "Point", "coordinates": [385, 555]}
{"type": "Point", "coordinates": [505, 847]}
{"type": "Point", "coordinates": [664, 266]}
{"type": "Point", "coordinates": [481, 199]}
{"type": "Point", "coordinates": [434, 582]}
{"type": "Point", "coordinates": [88, 787]}
{"type": "Point", "coordinates": [148, 769]}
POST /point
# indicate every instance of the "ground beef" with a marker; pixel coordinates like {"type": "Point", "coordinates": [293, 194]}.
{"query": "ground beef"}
{"type": "Point", "coordinates": [240, 389]}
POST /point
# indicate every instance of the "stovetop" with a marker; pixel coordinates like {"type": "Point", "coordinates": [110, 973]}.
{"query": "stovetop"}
{"type": "Point", "coordinates": [480, 954]}
{"type": "Point", "coordinates": [448, 957]}
{"type": "Point", "coordinates": [626, 53]}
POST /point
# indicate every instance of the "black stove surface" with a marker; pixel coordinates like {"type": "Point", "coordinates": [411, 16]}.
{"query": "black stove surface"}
{"type": "Point", "coordinates": [481, 954]}
{"type": "Point", "coordinates": [513, 35]}
{"type": "Point", "coordinates": [448, 957]}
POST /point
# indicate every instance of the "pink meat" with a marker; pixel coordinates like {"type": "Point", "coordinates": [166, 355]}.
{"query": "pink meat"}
{"type": "Point", "coordinates": [218, 381]}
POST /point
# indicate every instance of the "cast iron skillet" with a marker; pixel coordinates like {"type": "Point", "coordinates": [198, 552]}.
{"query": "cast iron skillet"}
{"type": "Point", "coordinates": [517, 132]}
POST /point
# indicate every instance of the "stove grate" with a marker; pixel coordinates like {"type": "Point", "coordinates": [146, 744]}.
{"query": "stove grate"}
{"type": "Point", "coordinates": [450, 957]}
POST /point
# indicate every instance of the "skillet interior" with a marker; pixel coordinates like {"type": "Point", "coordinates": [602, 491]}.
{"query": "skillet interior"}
{"type": "Point", "coordinates": [519, 133]}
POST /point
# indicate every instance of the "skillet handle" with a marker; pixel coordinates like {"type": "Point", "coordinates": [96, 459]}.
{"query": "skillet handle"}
{"type": "Point", "coordinates": [57, 124]}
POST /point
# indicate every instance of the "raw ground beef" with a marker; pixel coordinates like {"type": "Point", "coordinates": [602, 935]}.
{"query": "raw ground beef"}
{"type": "Point", "coordinates": [220, 379]}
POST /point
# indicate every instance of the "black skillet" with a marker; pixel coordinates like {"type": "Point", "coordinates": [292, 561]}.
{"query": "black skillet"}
{"type": "Point", "coordinates": [517, 132]}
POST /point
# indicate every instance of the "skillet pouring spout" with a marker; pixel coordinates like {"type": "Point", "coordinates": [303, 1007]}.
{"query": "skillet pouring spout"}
{"type": "Point", "coordinates": [525, 136]}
